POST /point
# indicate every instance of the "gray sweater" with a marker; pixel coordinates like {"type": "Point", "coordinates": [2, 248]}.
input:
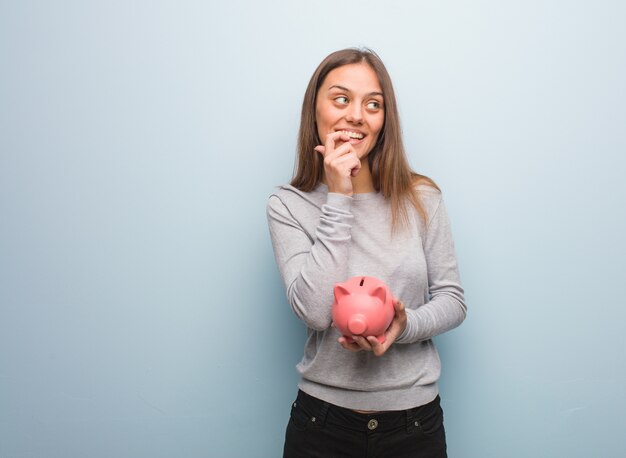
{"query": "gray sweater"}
{"type": "Point", "coordinates": [323, 238]}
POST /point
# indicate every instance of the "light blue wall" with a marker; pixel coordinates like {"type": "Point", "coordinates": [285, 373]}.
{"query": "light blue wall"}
{"type": "Point", "coordinates": [141, 313]}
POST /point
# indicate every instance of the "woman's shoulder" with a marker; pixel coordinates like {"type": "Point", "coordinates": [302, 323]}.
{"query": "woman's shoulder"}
{"type": "Point", "coordinates": [424, 185]}
{"type": "Point", "coordinates": [289, 195]}
{"type": "Point", "coordinates": [288, 190]}
{"type": "Point", "coordinates": [428, 192]}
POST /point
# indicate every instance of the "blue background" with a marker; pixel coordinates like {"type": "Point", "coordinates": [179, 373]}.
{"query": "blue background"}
{"type": "Point", "coordinates": [141, 312]}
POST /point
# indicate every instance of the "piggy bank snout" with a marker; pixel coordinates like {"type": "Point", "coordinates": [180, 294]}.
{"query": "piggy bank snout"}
{"type": "Point", "coordinates": [357, 324]}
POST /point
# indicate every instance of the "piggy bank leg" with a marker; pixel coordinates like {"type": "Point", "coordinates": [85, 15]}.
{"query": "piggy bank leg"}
{"type": "Point", "coordinates": [381, 338]}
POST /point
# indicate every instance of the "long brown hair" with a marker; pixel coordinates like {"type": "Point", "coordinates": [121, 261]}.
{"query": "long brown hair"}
{"type": "Point", "coordinates": [391, 173]}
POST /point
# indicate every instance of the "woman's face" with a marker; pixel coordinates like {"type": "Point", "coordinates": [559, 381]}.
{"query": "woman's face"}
{"type": "Point", "coordinates": [350, 99]}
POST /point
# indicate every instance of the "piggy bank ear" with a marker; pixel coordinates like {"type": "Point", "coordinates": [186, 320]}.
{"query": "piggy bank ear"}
{"type": "Point", "coordinates": [340, 291]}
{"type": "Point", "coordinates": [381, 293]}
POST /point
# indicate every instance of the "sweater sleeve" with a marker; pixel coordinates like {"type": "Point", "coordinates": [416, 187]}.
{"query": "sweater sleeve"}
{"type": "Point", "coordinates": [310, 268]}
{"type": "Point", "coordinates": [446, 307]}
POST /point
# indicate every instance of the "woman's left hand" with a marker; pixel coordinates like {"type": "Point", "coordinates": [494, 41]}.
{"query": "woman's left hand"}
{"type": "Point", "coordinates": [371, 343]}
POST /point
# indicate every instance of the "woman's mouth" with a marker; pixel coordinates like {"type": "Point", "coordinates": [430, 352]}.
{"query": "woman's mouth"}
{"type": "Point", "coordinates": [355, 137]}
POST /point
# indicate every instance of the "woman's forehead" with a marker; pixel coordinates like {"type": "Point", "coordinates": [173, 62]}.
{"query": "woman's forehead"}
{"type": "Point", "coordinates": [353, 77]}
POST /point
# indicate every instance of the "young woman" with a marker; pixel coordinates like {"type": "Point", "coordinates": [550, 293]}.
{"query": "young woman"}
{"type": "Point", "coordinates": [354, 207]}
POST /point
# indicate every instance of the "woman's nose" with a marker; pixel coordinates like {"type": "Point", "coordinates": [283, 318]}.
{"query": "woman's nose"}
{"type": "Point", "coordinates": [355, 114]}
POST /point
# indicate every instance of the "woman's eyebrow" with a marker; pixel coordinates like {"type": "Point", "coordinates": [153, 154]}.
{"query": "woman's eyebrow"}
{"type": "Point", "coordinates": [342, 88]}
{"type": "Point", "coordinates": [336, 86]}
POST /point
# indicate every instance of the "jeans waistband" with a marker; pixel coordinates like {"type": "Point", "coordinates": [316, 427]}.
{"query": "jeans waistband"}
{"type": "Point", "coordinates": [326, 413]}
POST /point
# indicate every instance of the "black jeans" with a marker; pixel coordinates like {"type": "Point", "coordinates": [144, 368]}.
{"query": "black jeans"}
{"type": "Point", "coordinates": [318, 429]}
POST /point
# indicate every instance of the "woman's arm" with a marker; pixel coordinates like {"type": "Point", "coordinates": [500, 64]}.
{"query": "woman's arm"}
{"type": "Point", "coordinates": [446, 308]}
{"type": "Point", "coordinates": [310, 268]}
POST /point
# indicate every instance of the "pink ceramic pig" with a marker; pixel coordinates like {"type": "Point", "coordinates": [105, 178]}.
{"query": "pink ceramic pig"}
{"type": "Point", "coordinates": [363, 307]}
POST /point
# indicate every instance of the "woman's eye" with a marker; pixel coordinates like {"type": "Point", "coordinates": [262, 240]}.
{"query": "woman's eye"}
{"type": "Point", "coordinates": [373, 105]}
{"type": "Point", "coordinates": [341, 99]}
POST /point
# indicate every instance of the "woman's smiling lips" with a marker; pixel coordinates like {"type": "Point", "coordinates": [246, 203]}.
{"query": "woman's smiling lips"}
{"type": "Point", "coordinates": [356, 136]}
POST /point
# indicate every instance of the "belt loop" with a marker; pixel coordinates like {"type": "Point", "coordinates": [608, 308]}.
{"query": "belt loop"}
{"type": "Point", "coordinates": [410, 420]}
{"type": "Point", "coordinates": [323, 412]}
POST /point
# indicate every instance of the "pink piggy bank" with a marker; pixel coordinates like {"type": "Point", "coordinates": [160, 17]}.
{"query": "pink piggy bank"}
{"type": "Point", "coordinates": [363, 307]}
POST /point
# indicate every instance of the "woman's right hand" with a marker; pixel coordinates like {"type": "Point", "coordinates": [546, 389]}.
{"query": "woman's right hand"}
{"type": "Point", "coordinates": [371, 343]}
{"type": "Point", "coordinates": [341, 162]}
